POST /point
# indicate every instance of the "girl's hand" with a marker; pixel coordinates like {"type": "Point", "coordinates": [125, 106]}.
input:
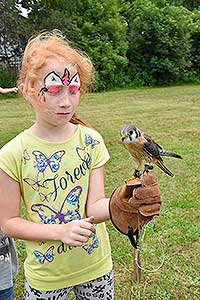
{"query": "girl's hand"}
{"type": "Point", "coordinates": [77, 232]}
{"type": "Point", "coordinates": [15, 90]}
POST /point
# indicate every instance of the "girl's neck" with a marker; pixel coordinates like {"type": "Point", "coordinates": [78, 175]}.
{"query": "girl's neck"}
{"type": "Point", "coordinates": [53, 133]}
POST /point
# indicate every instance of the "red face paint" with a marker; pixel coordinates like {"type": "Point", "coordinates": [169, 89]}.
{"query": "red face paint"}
{"type": "Point", "coordinates": [53, 89]}
{"type": "Point", "coordinates": [74, 88]}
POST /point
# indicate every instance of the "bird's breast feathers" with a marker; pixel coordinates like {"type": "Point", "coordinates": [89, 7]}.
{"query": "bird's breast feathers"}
{"type": "Point", "coordinates": [136, 149]}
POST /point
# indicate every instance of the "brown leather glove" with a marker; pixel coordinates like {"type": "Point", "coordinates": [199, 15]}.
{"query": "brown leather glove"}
{"type": "Point", "coordinates": [134, 204]}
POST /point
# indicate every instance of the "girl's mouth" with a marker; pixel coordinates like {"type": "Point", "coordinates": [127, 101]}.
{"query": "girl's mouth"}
{"type": "Point", "coordinates": [63, 114]}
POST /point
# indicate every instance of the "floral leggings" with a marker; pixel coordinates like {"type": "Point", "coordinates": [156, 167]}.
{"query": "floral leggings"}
{"type": "Point", "coordinates": [101, 288]}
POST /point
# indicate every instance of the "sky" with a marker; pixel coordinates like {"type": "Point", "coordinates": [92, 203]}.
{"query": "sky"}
{"type": "Point", "coordinates": [24, 12]}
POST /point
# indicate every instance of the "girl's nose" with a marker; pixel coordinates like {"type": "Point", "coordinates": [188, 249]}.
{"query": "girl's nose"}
{"type": "Point", "coordinates": [65, 101]}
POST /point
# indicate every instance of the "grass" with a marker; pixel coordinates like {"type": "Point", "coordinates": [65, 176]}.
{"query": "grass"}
{"type": "Point", "coordinates": [171, 116]}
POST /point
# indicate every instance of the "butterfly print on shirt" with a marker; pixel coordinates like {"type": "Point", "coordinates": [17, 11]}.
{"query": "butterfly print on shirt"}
{"type": "Point", "coordinates": [89, 141]}
{"type": "Point", "coordinates": [42, 161]}
{"type": "Point", "coordinates": [68, 211]}
{"type": "Point", "coordinates": [83, 154]}
{"type": "Point", "coordinates": [25, 157]}
{"type": "Point", "coordinates": [90, 246]}
{"type": "Point", "coordinates": [35, 184]}
{"type": "Point", "coordinates": [47, 256]}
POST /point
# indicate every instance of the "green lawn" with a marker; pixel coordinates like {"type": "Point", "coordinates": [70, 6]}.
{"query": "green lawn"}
{"type": "Point", "coordinates": [172, 117]}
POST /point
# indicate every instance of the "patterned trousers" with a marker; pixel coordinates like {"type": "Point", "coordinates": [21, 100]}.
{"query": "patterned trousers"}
{"type": "Point", "coordinates": [101, 288]}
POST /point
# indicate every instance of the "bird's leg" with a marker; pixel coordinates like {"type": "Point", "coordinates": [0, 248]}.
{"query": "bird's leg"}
{"type": "Point", "coordinates": [147, 168]}
{"type": "Point", "coordinates": [137, 173]}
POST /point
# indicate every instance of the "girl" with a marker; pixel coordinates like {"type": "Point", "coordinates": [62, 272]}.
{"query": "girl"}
{"type": "Point", "coordinates": [56, 168]}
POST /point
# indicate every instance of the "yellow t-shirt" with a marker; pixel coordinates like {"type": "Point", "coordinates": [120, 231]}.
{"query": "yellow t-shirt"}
{"type": "Point", "coordinates": [54, 178]}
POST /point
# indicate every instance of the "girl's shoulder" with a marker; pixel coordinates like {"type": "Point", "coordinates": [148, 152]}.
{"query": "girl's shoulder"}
{"type": "Point", "coordinates": [15, 143]}
{"type": "Point", "coordinates": [90, 131]}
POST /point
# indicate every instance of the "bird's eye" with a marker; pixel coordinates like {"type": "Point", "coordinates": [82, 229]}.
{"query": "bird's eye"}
{"type": "Point", "coordinates": [131, 132]}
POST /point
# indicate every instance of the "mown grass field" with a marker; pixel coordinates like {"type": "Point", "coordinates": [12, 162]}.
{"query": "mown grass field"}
{"type": "Point", "coordinates": [172, 117]}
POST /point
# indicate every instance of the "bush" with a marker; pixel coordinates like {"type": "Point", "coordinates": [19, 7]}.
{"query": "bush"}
{"type": "Point", "coordinates": [159, 42]}
{"type": "Point", "coordinates": [7, 78]}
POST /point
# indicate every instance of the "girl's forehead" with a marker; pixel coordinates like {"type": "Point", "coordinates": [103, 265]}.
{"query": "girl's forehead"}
{"type": "Point", "coordinates": [57, 65]}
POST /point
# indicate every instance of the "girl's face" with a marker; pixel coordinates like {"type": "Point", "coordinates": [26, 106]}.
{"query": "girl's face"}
{"type": "Point", "coordinates": [57, 92]}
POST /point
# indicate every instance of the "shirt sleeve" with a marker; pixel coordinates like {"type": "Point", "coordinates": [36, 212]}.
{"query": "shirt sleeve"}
{"type": "Point", "coordinates": [100, 153]}
{"type": "Point", "coordinates": [10, 161]}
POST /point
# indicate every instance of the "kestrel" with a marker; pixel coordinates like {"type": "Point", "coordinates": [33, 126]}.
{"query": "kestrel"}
{"type": "Point", "coordinates": [143, 149]}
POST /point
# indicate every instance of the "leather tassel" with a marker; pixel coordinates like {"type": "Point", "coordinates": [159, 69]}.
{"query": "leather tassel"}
{"type": "Point", "coordinates": [137, 270]}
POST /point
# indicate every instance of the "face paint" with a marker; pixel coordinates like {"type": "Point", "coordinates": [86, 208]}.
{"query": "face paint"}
{"type": "Point", "coordinates": [53, 89]}
{"type": "Point", "coordinates": [53, 83]}
{"type": "Point", "coordinates": [74, 85]}
{"type": "Point", "coordinates": [73, 89]}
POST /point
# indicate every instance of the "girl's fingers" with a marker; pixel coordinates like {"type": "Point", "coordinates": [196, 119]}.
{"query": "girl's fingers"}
{"type": "Point", "coordinates": [78, 232]}
{"type": "Point", "coordinates": [86, 232]}
{"type": "Point", "coordinates": [80, 239]}
{"type": "Point", "coordinates": [87, 224]}
{"type": "Point", "coordinates": [76, 244]}
{"type": "Point", "coordinates": [89, 219]}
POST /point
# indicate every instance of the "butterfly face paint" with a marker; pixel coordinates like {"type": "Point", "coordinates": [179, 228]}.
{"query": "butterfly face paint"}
{"type": "Point", "coordinates": [53, 83]}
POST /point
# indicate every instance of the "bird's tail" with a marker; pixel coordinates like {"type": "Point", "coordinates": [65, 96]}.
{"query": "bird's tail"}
{"type": "Point", "coordinates": [161, 165]}
{"type": "Point", "coordinates": [170, 154]}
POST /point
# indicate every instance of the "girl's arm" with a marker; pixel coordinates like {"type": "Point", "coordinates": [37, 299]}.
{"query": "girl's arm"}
{"type": "Point", "coordinates": [74, 233]}
{"type": "Point", "coordinates": [8, 90]}
{"type": "Point", "coordinates": [97, 205]}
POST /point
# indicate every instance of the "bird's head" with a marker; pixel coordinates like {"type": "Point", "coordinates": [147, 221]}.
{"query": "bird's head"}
{"type": "Point", "coordinates": [129, 133]}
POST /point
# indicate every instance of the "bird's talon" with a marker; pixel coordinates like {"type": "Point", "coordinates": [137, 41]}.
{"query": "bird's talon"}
{"type": "Point", "coordinates": [130, 179]}
{"type": "Point", "coordinates": [137, 173]}
{"type": "Point", "coordinates": [147, 168]}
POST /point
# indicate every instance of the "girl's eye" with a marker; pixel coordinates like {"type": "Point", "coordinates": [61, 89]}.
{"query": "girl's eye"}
{"type": "Point", "coordinates": [74, 89]}
{"type": "Point", "coordinates": [53, 89]}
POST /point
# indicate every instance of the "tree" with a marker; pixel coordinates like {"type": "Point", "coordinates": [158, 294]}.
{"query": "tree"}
{"type": "Point", "coordinates": [191, 4]}
{"type": "Point", "coordinates": [195, 50]}
{"type": "Point", "coordinates": [159, 42]}
{"type": "Point", "coordinates": [94, 26]}
{"type": "Point", "coordinates": [12, 40]}
{"type": "Point", "coordinates": [10, 30]}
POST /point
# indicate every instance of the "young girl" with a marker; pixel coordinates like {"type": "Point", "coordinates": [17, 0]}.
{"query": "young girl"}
{"type": "Point", "coordinates": [56, 168]}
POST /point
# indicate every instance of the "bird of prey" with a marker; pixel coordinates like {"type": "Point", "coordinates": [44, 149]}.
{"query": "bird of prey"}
{"type": "Point", "coordinates": [143, 149]}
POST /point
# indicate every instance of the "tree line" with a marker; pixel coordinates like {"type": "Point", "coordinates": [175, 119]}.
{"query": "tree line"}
{"type": "Point", "coordinates": [131, 43]}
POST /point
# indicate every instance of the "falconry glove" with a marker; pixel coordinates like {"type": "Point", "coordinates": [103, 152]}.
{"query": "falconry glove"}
{"type": "Point", "coordinates": [134, 204]}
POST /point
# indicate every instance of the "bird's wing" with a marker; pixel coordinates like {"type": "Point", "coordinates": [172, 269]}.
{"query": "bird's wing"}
{"type": "Point", "coordinates": [151, 140]}
{"type": "Point", "coordinates": [151, 147]}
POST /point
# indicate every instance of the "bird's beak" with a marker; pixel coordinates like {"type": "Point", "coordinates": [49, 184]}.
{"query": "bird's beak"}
{"type": "Point", "coordinates": [123, 137]}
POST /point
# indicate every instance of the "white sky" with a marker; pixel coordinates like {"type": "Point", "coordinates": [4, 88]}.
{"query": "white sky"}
{"type": "Point", "coordinates": [24, 12]}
